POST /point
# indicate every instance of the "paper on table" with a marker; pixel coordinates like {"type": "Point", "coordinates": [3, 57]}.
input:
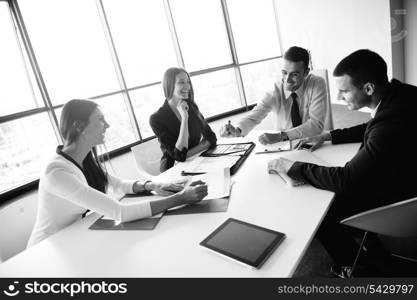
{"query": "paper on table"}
{"type": "Point", "coordinates": [280, 146]}
{"type": "Point", "coordinates": [209, 164]}
{"type": "Point", "coordinates": [218, 183]}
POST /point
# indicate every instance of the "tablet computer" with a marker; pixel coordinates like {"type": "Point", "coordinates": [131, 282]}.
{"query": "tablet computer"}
{"type": "Point", "coordinates": [243, 242]}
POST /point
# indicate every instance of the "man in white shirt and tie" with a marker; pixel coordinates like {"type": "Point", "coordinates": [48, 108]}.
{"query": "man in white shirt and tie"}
{"type": "Point", "coordinates": [299, 102]}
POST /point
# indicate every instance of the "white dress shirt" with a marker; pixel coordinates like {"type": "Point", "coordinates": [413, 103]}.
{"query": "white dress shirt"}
{"type": "Point", "coordinates": [312, 102]}
{"type": "Point", "coordinates": [64, 195]}
{"type": "Point", "coordinates": [373, 112]}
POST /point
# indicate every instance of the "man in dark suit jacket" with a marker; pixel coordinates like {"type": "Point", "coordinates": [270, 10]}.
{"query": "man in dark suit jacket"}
{"type": "Point", "coordinates": [379, 173]}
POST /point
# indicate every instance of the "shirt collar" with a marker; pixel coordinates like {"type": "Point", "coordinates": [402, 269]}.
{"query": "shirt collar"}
{"type": "Point", "coordinates": [373, 112]}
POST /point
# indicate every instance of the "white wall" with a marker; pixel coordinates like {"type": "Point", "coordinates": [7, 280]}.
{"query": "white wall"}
{"type": "Point", "coordinates": [332, 29]}
{"type": "Point", "coordinates": [410, 41]}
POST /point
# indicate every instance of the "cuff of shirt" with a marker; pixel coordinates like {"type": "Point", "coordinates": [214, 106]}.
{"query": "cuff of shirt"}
{"type": "Point", "coordinates": [293, 133]}
{"type": "Point", "coordinates": [296, 171]}
{"type": "Point", "coordinates": [127, 186]}
{"type": "Point", "coordinates": [244, 130]}
{"type": "Point", "coordinates": [336, 136]}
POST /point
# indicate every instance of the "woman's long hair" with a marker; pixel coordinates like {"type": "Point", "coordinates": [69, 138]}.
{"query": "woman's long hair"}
{"type": "Point", "coordinates": [75, 117]}
{"type": "Point", "coordinates": [168, 84]}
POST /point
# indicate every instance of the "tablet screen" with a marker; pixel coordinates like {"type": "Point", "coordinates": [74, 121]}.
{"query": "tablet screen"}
{"type": "Point", "coordinates": [247, 243]}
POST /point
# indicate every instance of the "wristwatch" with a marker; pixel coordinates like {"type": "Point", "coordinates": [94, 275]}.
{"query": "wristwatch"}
{"type": "Point", "coordinates": [239, 131]}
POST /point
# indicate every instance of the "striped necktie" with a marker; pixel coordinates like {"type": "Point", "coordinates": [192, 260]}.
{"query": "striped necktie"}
{"type": "Point", "coordinates": [295, 111]}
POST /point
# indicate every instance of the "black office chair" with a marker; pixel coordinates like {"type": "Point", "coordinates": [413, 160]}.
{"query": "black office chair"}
{"type": "Point", "coordinates": [397, 221]}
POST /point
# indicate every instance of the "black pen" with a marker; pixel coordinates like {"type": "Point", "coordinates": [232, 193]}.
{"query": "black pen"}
{"type": "Point", "coordinates": [184, 173]}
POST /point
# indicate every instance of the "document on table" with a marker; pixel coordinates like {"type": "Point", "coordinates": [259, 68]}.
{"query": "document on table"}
{"type": "Point", "coordinates": [218, 183]}
{"type": "Point", "coordinates": [276, 147]}
{"type": "Point", "coordinates": [209, 164]}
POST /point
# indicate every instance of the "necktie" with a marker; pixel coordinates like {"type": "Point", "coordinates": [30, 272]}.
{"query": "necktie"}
{"type": "Point", "coordinates": [295, 111]}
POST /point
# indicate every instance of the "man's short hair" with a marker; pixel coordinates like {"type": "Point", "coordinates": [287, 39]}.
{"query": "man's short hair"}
{"type": "Point", "coordinates": [296, 54]}
{"type": "Point", "coordinates": [363, 66]}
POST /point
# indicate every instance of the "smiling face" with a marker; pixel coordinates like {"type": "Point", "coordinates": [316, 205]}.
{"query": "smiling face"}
{"type": "Point", "coordinates": [182, 86]}
{"type": "Point", "coordinates": [95, 130]}
{"type": "Point", "coordinates": [293, 74]}
{"type": "Point", "coordinates": [355, 97]}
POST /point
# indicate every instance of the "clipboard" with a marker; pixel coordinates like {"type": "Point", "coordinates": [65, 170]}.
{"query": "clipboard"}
{"type": "Point", "coordinates": [205, 206]}
{"type": "Point", "coordinates": [237, 149]}
{"type": "Point", "coordinates": [142, 224]}
{"type": "Point", "coordinates": [229, 149]}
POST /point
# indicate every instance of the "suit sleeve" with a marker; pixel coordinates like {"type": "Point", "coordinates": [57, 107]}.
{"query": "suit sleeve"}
{"type": "Point", "coordinates": [349, 135]}
{"type": "Point", "coordinates": [167, 140]}
{"type": "Point", "coordinates": [359, 171]}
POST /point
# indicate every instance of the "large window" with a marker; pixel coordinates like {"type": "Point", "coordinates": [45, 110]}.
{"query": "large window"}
{"type": "Point", "coordinates": [16, 93]}
{"type": "Point", "coordinates": [142, 38]}
{"type": "Point", "coordinates": [254, 29]}
{"type": "Point", "coordinates": [115, 53]}
{"type": "Point", "coordinates": [260, 78]}
{"type": "Point", "coordinates": [25, 144]}
{"type": "Point", "coordinates": [201, 33]}
{"type": "Point", "coordinates": [146, 101]}
{"type": "Point", "coordinates": [71, 48]}
{"type": "Point", "coordinates": [216, 92]}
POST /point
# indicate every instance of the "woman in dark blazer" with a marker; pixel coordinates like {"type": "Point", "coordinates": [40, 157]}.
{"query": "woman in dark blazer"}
{"type": "Point", "coordinates": [179, 125]}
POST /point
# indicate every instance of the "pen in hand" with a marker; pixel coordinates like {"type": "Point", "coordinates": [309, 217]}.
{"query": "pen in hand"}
{"type": "Point", "coordinates": [228, 127]}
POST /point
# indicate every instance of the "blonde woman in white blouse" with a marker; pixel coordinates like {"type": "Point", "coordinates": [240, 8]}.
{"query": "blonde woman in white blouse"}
{"type": "Point", "coordinates": [74, 180]}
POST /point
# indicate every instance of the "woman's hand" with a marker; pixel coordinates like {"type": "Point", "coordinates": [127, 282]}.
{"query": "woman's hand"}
{"type": "Point", "coordinates": [316, 141]}
{"type": "Point", "coordinates": [193, 193]}
{"type": "Point", "coordinates": [166, 189]}
{"type": "Point", "coordinates": [182, 108]}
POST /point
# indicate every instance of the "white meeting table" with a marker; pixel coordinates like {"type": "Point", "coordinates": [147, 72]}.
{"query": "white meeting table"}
{"type": "Point", "coordinates": [172, 248]}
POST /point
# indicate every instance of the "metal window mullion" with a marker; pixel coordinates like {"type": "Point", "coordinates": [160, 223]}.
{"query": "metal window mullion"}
{"type": "Point", "coordinates": [22, 114]}
{"type": "Point", "coordinates": [259, 61]}
{"type": "Point", "coordinates": [117, 67]}
{"type": "Point", "coordinates": [35, 67]}
{"type": "Point", "coordinates": [22, 55]}
{"type": "Point", "coordinates": [174, 35]}
{"type": "Point", "coordinates": [274, 5]}
{"type": "Point", "coordinates": [235, 58]}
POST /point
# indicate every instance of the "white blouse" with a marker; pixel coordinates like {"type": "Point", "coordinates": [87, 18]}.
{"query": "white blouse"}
{"type": "Point", "coordinates": [64, 195]}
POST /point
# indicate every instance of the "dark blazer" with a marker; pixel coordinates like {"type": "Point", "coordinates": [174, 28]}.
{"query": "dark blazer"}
{"type": "Point", "coordinates": [166, 127]}
{"type": "Point", "coordinates": [381, 171]}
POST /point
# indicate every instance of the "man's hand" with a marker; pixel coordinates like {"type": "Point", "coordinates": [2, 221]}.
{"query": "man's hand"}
{"type": "Point", "coordinates": [271, 138]}
{"type": "Point", "coordinates": [280, 165]}
{"type": "Point", "coordinates": [316, 141]}
{"type": "Point", "coordinates": [228, 130]}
